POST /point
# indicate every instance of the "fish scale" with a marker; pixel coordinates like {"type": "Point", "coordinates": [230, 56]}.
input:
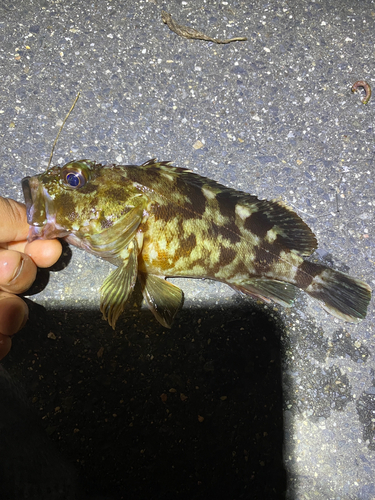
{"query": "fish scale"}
{"type": "Point", "coordinates": [155, 221]}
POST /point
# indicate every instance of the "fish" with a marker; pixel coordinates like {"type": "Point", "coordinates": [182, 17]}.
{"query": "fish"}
{"type": "Point", "coordinates": [157, 221]}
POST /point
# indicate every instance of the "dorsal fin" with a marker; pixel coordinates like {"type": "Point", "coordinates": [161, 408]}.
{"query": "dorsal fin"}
{"type": "Point", "coordinates": [258, 216]}
{"type": "Point", "coordinates": [276, 222]}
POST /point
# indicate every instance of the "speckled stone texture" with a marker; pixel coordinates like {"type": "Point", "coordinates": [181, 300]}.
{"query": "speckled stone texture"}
{"type": "Point", "coordinates": [240, 399]}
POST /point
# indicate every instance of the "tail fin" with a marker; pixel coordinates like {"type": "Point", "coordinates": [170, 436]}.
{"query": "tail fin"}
{"type": "Point", "coordinates": [345, 297]}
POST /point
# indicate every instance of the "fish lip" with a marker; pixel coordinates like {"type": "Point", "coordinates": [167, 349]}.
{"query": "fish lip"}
{"type": "Point", "coordinates": [35, 232]}
{"type": "Point", "coordinates": [28, 198]}
{"type": "Point", "coordinates": [37, 206]}
{"type": "Point", "coordinates": [40, 212]}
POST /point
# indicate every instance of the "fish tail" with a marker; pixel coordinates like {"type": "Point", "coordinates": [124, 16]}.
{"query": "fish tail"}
{"type": "Point", "coordinates": [339, 294]}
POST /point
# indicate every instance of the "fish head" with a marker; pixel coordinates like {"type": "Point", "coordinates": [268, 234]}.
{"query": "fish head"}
{"type": "Point", "coordinates": [81, 200]}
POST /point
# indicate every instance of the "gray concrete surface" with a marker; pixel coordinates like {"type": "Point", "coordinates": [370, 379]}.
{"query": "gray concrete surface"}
{"type": "Point", "coordinates": [273, 116]}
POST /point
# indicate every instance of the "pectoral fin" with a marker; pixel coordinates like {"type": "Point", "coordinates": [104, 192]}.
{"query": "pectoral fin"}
{"type": "Point", "coordinates": [111, 241]}
{"type": "Point", "coordinates": [117, 287]}
{"type": "Point", "coordinates": [279, 291]}
{"type": "Point", "coordinates": [162, 298]}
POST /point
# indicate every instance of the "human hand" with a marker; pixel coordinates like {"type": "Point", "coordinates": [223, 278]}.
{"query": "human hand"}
{"type": "Point", "coordinates": [18, 265]}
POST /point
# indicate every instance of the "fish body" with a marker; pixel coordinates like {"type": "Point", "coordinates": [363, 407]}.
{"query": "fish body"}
{"type": "Point", "coordinates": [155, 221]}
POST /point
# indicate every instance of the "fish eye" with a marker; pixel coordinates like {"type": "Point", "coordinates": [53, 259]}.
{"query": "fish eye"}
{"type": "Point", "coordinates": [76, 174]}
{"type": "Point", "coordinates": [74, 178]}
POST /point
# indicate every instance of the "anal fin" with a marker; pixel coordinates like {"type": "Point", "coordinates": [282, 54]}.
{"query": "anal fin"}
{"type": "Point", "coordinates": [163, 299]}
{"type": "Point", "coordinates": [280, 292]}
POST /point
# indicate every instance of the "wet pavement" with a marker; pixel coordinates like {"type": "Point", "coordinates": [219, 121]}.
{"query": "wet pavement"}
{"type": "Point", "coordinates": [241, 399]}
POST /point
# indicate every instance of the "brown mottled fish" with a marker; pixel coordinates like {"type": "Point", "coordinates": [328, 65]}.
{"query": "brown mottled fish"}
{"type": "Point", "coordinates": [155, 221]}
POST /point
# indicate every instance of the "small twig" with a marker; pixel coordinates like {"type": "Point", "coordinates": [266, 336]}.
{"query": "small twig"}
{"type": "Point", "coordinates": [366, 87]}
{"type": "Point", "coordinates": [62, 126]}
{"type": "Point", "coordinates": [187, 32]}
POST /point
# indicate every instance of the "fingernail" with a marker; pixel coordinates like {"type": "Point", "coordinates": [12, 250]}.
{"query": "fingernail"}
{"type": "Point", "coordinates": [17, 271]}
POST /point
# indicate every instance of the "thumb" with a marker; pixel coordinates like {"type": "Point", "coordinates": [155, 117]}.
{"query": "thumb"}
{"type": "Point", "coordinates": [13, 222]}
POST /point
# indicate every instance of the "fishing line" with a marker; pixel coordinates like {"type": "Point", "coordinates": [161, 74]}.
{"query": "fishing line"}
{"type": "Point", "coordinates": [62, 126]}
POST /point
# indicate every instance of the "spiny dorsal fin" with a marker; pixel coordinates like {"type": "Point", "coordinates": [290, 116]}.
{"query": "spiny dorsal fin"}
{"type": "Point", "coordinates": [167, 166]}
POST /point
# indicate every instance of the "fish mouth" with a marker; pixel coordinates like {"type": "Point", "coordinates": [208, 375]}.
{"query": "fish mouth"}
{"type": "Point", "coordinates": [39, 211]}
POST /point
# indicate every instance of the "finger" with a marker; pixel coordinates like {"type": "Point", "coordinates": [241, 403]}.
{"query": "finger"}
{"type": "Point", "coordinates": [18, 246]}
{"type": "Point", "coordinates": [5, 345]}
{"type": "Point", "coordinates": [17, 271]}
{"type": "Point", "coordinates": [13, 314]}
{"type": "Point", "coordinates": [44, 252]}
{"type": "Point", "coordinates": [13, 222]}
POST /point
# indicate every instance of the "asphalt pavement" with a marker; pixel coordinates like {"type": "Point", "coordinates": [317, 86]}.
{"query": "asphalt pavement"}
{"type": "Point", "coordinates": [238, 398]}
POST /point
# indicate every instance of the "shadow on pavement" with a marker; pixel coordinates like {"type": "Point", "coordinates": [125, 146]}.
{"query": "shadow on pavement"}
{"type": "Point", "coordinates": [193, 412]}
